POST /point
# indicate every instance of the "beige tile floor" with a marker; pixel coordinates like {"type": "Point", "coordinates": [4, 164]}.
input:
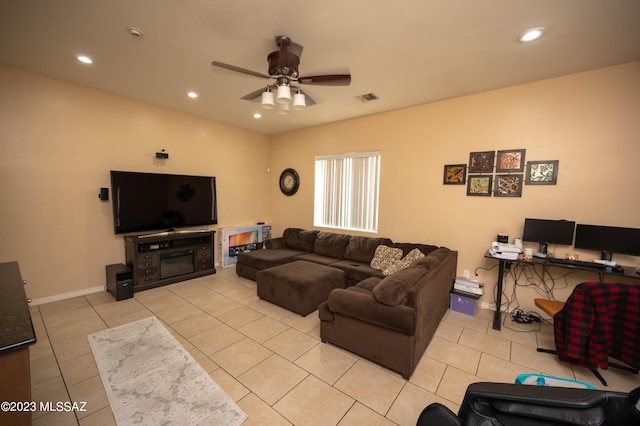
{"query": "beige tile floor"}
{"type": "Point", "coordinates": [272, 362]}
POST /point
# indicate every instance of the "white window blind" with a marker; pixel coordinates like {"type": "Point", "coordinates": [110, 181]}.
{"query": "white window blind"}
{"type": "Point", "coordinates": [346, 191]}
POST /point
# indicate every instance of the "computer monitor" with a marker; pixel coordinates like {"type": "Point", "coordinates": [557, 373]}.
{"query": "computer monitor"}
{"type": "Point", "coordinates": [608, 240]}
{"type": "Point", "coordinates": [545, 232]}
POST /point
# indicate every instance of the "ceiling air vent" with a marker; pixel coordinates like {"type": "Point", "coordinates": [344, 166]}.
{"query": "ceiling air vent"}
{"type": "Point", "coordinates": [367, 97]}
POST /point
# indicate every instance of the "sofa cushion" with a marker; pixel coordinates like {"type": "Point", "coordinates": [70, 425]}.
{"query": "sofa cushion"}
{"type": "Point", "coordinates": [434, 257]}
{"type": "Point", "coordinates": [262, 259]}
{"type": "Point", "coordinates": [317, 258]}
{"type": "Point", "coordinates": [369, 283]}
{"type": "Point", "coordinates": [362, 249]}
{"type": "Point", "coordinates": [398, 265]}
{"type": "Point", "coordinates": [355, 272]}
{"type": "Point", "coordinates": [392, 290]}
{"type": "Point", "coordinates": [357, 303]}
{"type": "Point", "coordinates": [331, 245]}
{"type": "Point", "coordinates": [385, 256]}
{"type": "Point", "coordinates": [427, 262]}
{"type": "Point", "coordinates": [407, 247]}
{"type": "Point", "coordinates": [299, 239]}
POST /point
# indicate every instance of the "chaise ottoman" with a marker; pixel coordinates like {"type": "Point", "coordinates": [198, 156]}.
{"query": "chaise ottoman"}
{"type": "Point", "coordinates": [299, 286]}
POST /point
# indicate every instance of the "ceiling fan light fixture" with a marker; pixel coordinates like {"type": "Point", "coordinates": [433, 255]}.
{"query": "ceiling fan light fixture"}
{"type": "Point", "coordinates": [284, 94]}
{"type": "Point", "coordinates": [267, 100]}
{"type": "Point", "coordinates": [299, 101]}
{"type": "Point", "coordinates": [284, 108]}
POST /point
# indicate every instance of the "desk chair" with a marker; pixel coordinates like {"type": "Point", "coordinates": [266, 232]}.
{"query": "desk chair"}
{"type": "Point", "coordinates": [551, 308]}
{"type": "Point", "coordinates": [584, 297]}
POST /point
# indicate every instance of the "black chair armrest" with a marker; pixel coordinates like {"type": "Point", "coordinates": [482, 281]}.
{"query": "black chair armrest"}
{"type": "Point", "coordinates": [438, 415]}
{"type": "Point", "coordinates": [520, 404]}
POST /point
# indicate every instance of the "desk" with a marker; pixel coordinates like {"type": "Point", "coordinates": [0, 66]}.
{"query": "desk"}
{"type": "Point", "coordinates": [629, 272]}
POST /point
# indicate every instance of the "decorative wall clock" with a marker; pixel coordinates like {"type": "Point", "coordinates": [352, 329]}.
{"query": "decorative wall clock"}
{"type": "Point", "coordinates": [289, 181]}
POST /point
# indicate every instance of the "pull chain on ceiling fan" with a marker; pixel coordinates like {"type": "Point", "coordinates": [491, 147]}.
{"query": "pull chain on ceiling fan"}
{"type": "Point", "coordinates": [283, 67]}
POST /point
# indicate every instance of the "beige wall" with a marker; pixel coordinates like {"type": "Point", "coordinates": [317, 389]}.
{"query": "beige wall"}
{"type": "Point", "coordinates": [59, 141]}
{"type": "Point", "coordinates": [57, 144]}
{"type": "Point", "coordinates": [590, 122]}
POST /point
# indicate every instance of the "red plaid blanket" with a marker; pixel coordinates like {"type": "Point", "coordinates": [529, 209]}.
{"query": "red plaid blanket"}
{"type": "Point", "coordinates": [599, 320]}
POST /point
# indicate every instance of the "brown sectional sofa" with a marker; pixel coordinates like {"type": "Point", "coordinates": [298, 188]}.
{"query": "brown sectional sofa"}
{"type": "Point", "coordinates": [387, 319]}
{"type": "Point", "coordinates": [352, 254]}
{"type": "Point", "coordinates": [392, 320]}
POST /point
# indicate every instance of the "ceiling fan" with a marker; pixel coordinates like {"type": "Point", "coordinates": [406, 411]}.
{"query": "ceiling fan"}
{"type": "Point", "coordinates": [283, 68]}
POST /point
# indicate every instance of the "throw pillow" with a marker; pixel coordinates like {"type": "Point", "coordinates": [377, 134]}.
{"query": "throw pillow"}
{"type": "Point", "coordinates": [414, 254]}
{"type": "Point", "coordinates": [398, 265]}
{"type": "Point", "coordinates": [385, 256]}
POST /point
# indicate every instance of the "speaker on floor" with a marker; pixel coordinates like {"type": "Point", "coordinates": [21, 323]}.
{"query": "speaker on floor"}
{"type": "Point", "coordinates": [120, 281]}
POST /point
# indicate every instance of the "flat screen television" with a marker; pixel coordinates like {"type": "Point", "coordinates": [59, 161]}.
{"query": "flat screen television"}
{"type": "Point", "coordinates": [545, 232]}
{"type": "Point", "coordinates": [608, 240]}
{"type": "Point", "coordinates": [153, 201]}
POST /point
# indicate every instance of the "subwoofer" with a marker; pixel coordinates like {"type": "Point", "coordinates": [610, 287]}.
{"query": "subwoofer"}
{"type": "Point", "coordinates": [120, 281]}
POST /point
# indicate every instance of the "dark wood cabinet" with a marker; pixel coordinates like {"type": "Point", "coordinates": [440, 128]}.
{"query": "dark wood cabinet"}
{"type": "Point", "coordinates": [169, 257]}
{"type": "Point", "coordinates": [16, 335]}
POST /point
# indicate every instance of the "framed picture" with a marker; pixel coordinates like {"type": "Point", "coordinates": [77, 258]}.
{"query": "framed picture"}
{"type": "Point", "coordinates": [481, 162]}
{"type": "Point", "coordinates": [479, 186]}
{"type": "Point", "coordinates": [508, 186]}
{"type": "Point", "coordinates": [455, 174]}
{"type": "Point", "coordinates": [511, 160]}
{"type": "Point", "coordinates": [542, 172]}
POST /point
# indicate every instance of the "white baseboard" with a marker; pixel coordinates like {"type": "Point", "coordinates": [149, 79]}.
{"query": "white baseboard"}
{"type": "Point", "coordinates": [70, 295]}
{"type": "Point", "coordinates": [65, 296]}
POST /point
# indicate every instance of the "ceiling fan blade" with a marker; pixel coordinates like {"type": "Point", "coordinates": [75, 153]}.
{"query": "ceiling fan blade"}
{"type": "Point", "coordinates": [238, 69]}
{"type": "Point", "coordinates": [327, 80]}
{"type": "Point", "coordinates": [253, 95]}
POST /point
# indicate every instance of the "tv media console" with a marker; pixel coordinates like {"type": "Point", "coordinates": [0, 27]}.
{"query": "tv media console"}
{"type": "Point", "coordinates": [169, 257]}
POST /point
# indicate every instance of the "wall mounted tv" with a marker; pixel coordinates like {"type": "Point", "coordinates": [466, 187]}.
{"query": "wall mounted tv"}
{"type": "Point", "coordinates": [152, 201]}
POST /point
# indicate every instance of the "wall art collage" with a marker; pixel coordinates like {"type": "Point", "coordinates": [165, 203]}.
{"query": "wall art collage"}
{"type": "Point", "coordinates": [500, 174]}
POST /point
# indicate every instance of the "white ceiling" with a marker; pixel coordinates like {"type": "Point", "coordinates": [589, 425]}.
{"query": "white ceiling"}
{"type": "Point", "coordinates": [406, 52]}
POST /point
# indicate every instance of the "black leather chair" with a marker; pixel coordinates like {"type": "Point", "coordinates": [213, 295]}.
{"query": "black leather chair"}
{"type": "Point", "coordinates": [493, 404]}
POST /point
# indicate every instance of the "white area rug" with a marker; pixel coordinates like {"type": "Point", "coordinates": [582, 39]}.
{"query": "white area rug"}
{"type": "Point", "coordinates": [151, 379]}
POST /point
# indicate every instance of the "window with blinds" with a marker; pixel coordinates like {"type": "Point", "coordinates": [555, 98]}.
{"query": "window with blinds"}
{"type": "Point", "coordinates": [346, 191]}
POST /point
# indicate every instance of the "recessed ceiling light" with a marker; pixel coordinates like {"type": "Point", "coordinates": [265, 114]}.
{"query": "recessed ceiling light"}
{"type": "Point", "coordinates": [257, 115]}
{"type": "Point", "coordinates": [532, 34]}
{"type": "Point", "coordinates": [136, 32]}
{"type": "Point", "coordinates": [192, 95]}
{"type": "Point", "coordinates": [85, 59]}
